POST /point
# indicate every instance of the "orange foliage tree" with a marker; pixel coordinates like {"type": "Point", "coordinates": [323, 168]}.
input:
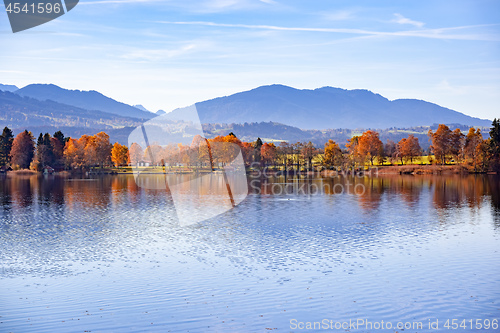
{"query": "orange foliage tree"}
{"type": "Point", "coordinates": [135, 154]}
{"type": "Point", "coordinates": [445, 142]}
{"type": "Point", "coordinates": [353, 149]}
{"type": "Point", "coordinates": [269, 153]}
{"type": "Point", "coordinates": [408, 148]}
{"type": "Point", "coordinates": [308, 151]}
{"type": "Point", "coordinates": [99, 148]}
{"type": "Point", "coordinates": [88, 151]}
{"type": "Point", "coordinates": [369, 145]}
{"type": "Point", "coordinates": [74, 154]}
{"type": "Point", "coordinates": [22, 151]}
{"type": "Point", "coordinates": [474, 151]}
{"type": "Point", "coordinates": [119, 154]}
{"type": "Point", "coordinates": [333, 154]}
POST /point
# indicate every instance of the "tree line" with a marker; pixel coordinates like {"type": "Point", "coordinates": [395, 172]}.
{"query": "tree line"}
{"type": "Point", "coordinates": [59, 152]}
{"type": "Point", "coordinates": [95, 151]}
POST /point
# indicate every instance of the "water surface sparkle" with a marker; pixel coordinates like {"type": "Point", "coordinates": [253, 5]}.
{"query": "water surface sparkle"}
{"type": "Point", "coordinates": [104, 255]}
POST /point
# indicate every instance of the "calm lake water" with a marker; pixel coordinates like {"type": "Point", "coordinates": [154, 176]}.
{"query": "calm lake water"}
{"type": "Point", "coordinates": [103, 255]}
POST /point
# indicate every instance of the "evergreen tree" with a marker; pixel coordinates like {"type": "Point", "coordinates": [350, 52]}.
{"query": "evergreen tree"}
{"type": "Point", "coordinates": [57, 143]}
{"type": "Point", "coordinates": [60, 137]}
{"type": "Point", "coordinates": [495, 137]}
{"type": "Point", "coordinates": [257, 147]}
{"type": "Point", "coordinates": [6, 140]}
{"type": "Point", "coordinates": [39, 142]}
{"type": "Point", "coordinates": [494, 144]}
{"type": "Point", "coordinates": [44, 152]}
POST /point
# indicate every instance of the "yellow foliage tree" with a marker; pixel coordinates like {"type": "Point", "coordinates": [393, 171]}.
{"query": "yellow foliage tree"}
{"type": "Point", "coordinates": [119, 154]}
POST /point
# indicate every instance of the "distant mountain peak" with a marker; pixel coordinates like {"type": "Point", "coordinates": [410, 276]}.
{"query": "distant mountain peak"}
{"type": "Point", "coordinates": [90, 100]}
{"type": "Point", "coordinates": [325, 107]}
{"type": "Point", "coordinates": [140, 107]}
{"type": "Point", "coordinates": [8, 87]}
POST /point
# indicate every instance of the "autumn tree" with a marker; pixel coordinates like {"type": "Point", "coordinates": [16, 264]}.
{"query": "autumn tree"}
{"type": "Point", "coordinates": [408, 148]}
{"type": "Point", "coordinates": [333, 154]}
{"type": "Point", "coordinates": [284, 151]}
{"type": "Point", "coordinates": [200, 155]}
{"type": "Point", "coordinates": [269, 153]}
{"type": "Point", "coordinates": [135, 154]}
{"type": "Point", "coordinates": [216, 150]}
{"type": "Point", "coordinates": [6, 140]}
{"type": "Point", "coordinates": [232, 147]}
{"type": "Point", "coordinates": [483, 156]}
{"type": "Point", "coordinates": [456, 144]}
{"type": "Point", "coordinates": [98, 149]}
{"type": "Point", "coordinates": [153, 154]}
{"type": "Point", "coordinates": [353, 149]}
{"type": "Point", "coordinates": [23, 148]}
{"type": "Point", "coordinates": [308, 151]}
{"type": "Point", "coordinates": [74, 153]}
{"type": "Point", "coordinates": [369, 145]}
{"type": "Point", "coordinates": [247, 150]}
{"type": "Point", "coordinates": [472, 150]}
{"type": "Point", "coordinates": [390, 150]}
{"type": "Point", "coordinates": [296, 149]}
{"type": "Point", "coordinates": [119, 155]}
{"type": "Point", "coordinates": [441, 142]}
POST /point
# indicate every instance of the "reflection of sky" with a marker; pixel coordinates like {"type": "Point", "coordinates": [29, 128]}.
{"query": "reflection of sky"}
{"type": "Point", "coordinates": [104, 254]}
{"type": "Point", "coordinates": [61, 216]}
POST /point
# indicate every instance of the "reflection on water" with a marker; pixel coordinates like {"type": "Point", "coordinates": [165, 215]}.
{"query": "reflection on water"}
{"type": "Point", "coordinates": [103, 254]}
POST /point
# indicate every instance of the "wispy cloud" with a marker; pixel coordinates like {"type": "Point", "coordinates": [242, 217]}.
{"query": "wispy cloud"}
{"type": "Point", "coordinates": [159, 54]}
{"type": "Point", "coordinates": [198, 6]}
{"type": "Point", "coordinates": [441, 33]}
{"type": "Point", "coordinates": [339, 15]}
{"type": "Point", "coordinates": [403, 20]}
{"type": "Point", "coordinates": [445, 86]}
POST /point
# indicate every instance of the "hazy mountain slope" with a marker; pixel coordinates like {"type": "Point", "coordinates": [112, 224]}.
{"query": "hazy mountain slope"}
{"type": "Point", "coordinates": [90, 100]}
{"type": "Point", "coordinates": [141, 107]}
{"type": "Point", "coordinates": [8, 87]}
{"type": "Point", "coordinates": [270, 132]}
{"type": "Point", "coordinates": [17, 111]}
{"type": "Point", "coordinates": [325, 108]}
{"type": "Point", "coordinates": [119, 135]}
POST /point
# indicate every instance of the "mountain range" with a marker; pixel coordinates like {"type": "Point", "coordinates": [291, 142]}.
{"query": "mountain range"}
{"type": "Point", "coordinates": [326, 107]}
{"type": "Point", "coordinates": [90, 100]}
{"type": "Point", "coordinates": [8, 87]}
{"type": "Point", "coordinates": [275, 112]}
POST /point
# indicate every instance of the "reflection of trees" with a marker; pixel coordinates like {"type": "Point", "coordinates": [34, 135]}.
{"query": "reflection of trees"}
{"type": "Point", "coordinates": [22, 191]}
{"type": "Point", "coordinates": [494, 183]}
{"type": "Point", "coordinates": [452, 191]}
{"type": "Point", "coordinates": [369, 191]}
{"type": "Point", "coordinates": [5, 193]}
{"type": "Point", "coordinates": [447, 191]}
{"type": "Point", "coordinates": [50, 191]}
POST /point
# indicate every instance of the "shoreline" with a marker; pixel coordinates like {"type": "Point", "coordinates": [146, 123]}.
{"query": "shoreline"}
{"type": "Point", "coordinates": [392, 170]}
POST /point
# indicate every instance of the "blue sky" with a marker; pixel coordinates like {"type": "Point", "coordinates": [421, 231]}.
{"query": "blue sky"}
{"type": "Point", "coordinates": [169, 54]}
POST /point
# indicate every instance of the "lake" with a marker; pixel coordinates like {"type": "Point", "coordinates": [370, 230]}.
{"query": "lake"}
{"type": "Point", "coordinates": [104, 255]}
